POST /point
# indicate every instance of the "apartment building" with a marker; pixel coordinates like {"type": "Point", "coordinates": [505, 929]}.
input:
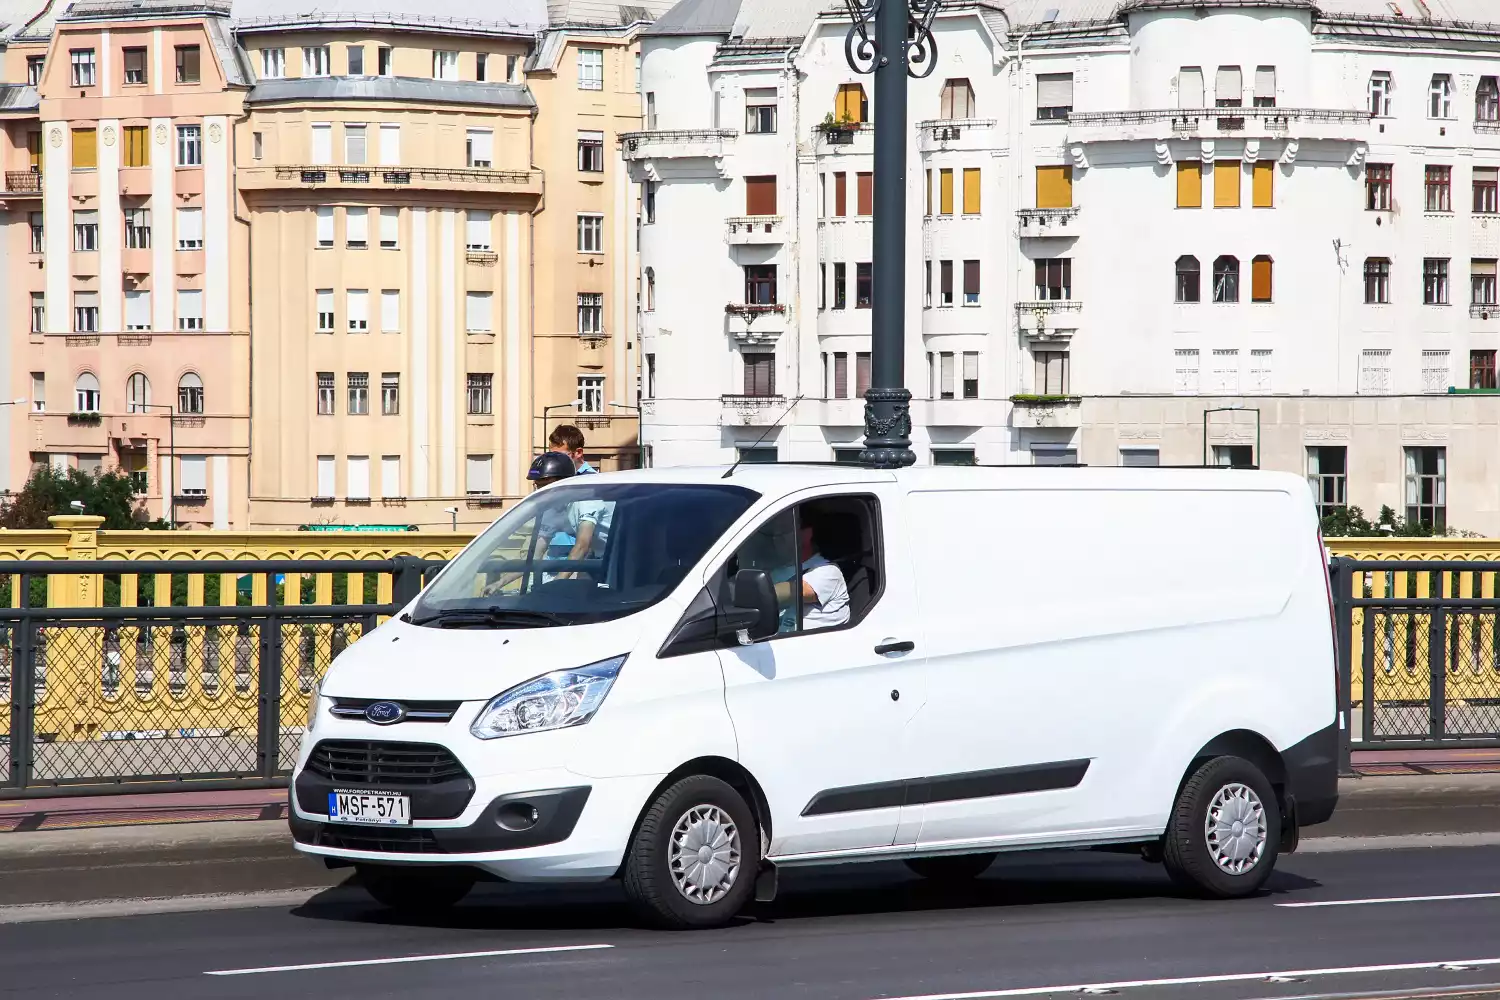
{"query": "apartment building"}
{"type": "Point", "coordinates": [361, 286]}
{"type": "Point", "coordinates": [1146, 233]}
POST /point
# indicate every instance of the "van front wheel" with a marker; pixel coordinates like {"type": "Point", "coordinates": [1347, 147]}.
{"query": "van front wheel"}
{"type": "Point", "coordinates": [1225, 831]}
{"type": "Point", "coordinates": [417, 890]}
{"type": "Point", "coordinates": [694, 857]}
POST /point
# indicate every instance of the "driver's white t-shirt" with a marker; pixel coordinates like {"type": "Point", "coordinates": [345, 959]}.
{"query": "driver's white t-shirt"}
{"type": "Point", "coordinates": [832, 607]}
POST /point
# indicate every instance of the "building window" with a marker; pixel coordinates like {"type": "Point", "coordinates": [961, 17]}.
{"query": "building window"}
{"type": "Point", "coordinates": [760, 374]}
{"type": "Point", "coordinates": [1189, 279]}
{"type": "Point", "coordinates": [38, 392]}
{"type": "Point", "coordinates": [1263, 184]}
{"type": "Point", "coordinates": [864, 285]}
{"type": "Point", "coordinates": [390, 394]}
{"type": "Point", "coordinates": [479, 143]}
{"type": "Point", "coordinates": [1224, 379]}
{"type": "Point", "coordinates": [189, 68]}
{"type": "Point", "coordinates": [1227, 279]}
{"type": "Point", "coordinates": [85, 312]}
{"type": "Point", "coordinates": [189, 309]}
{"type": "Point", "coordinates": [325, 476]}
{"type": "Point", "coordinates": [324, 310]}
{"type": "Point", "coordinates": [850, 105]}
{"type": "Point", "coordinates": [390, 228]}
{"type": "Point", "coordinates": [591, 153]}
{"type": "Point", "coordinates": [1234, 456]}
{"type": "Point", "coordinates": [1486, 190]}
{"type": "Point", "coordinates": [1265, 86]}
{"type": "Point", "coordinates": [1140, 458]}
{"type": "Point", "coordinates": [1482, 370]}
{"type": "Point", "coordinates": [590, 69]}
{"type": "Point", "coordinates": [1054, 279]}
{"type": "Point", "coordinates": [760, 284]}
{"type": "Point", "coordinates": [190, 145]}
{"type": "Point", "coordinates": [359, 393]}
{"type": "Point", "coordinates": [477, 230]}
{"type": "Point", "coordinates": [972, 190]}
{"type": "Point", "coordinates": [591, 234]}
{"type": "Point", "coordinates": [945, 283]}
{"type": "Point", "coordinates": [945, 192]}
{"type": "Point", "coordinates": [325, 398]}
{"type": "Point", "coordinates": [34, 67]}
{"type": "Point", "coordinates": [1052, 376]}
{"type": "Point", "coordinates": [354, 144]}
{"type": "Point", "coordinates": [357, 485]}
{"type": "Point", "coordinates": [390, 145]}
{"type": "Point", "coordinates": [1487, 100]}
{"type": "Point", "coordinates": [840, 375]}
{"type": "Point", "coordinates": [85, 149]}
{"type": "Point", "coordinates": [1380, 94]}
{"type": "Point", "coordinates": [971, 282]}
{"type": "Point", "coordinates": [357, 228]}
{"type": "Point", "coordinates": [137, 145]}
{"type": "Point", "coordinates": [590, 397]}
{"type": "Point", "coordinates": [322, 143]}
{"type": "Point", "coordinates": [477, 312]}
{"type": "Point", "coordinates": [190, 394]}
{"type": "Point", "coordinates": [137, 310]}
{"type": "Point", "coordinates": [651, 289]}
{"type": "Point", "coordinates": [1054, 96]}
{"type": "Point", "coordinates": [135, 67]}
{"type": "Point", "coordinates": [383, 60]}
{"type": "Point", "coordinates": [481, 388]}
{"type": "Point", "coordinates": [1435, 281]}
{"type": "Point", "coordinates": [1427, 488]}
{"type": "Point", "coordinates": [961, 457]}
{"type": "Point", "coordinates": [1378, 187]}
{"type": "Point", "coordinates": [38, 233]}
{"type": "Point", "coordinates": [1482, 282]}
{"type": "Point", "coordinates": [38, 312]}
{"type": "Point", "coordinates": [1375, 371]}
{"type": "Point", "coordinates": [86, 393]}
{"type": "Point", "coordinates": [390, 476]}
{"type": "Point", "coordinates": [355, 56]}
{"type": "Point", "coordinates": [83, 67]}
{"type": "Point", "coordinates": [840, 292]}
{"type": "Point", "coordinates": [1054, 187]}
{"type": "Point", "coordinates": [316, 60]}
{"type": "Point", "coordinates": [272, 64]}
{"type": "Point", "coordinates": [957, 100]}
{"type": "Point", "coordinates": [590, 314]}
{"type": "Point", "coordinates": [927, 284]}
{"type": "Point", "coordinates": [390, 310]}
{"type": "Point", "coordinates": [650, 376]}
{"type": "Point", "coordinates": [1190, 88]}
{"type": "Point", "coordinates": [971, 375]}
{"type": "Point", "coordinates": [1189, 184]}
{"type": "Point", "coordinates": [1436, 372]}
{"type": "Point", "coordinates": [357, 309]}
{"type": "Point", "coordinates": [137, 393]}
{"type": "Point", "coordinates": [1377, 281]}
{"type": "Point", "coordinates": [323, 221]}
{"type": "Point", "coordinates": [651, 111]}
{"type": "Point", "coordinates": [190, 229]}
{"type": "Point", "coordinates": [1439, 189]}
{"type": "Point", "coordinates": [861, 374]}
{"type": "Point", "coordinates": [1440, 97]}
{"type": "Point", "coordinates": [1229, 90]}
{"type": "Point", "coordinates": [760, 110]}
{"type": "Point", "coordinates": [648, 202]}
{"type": "Point", "coordinates": [479, 478]}
{"type": "Point", "coordinates": [86, 230]}
{"type": "Point", "coordinates": [481, 64]}
{"type": "Point", "coordinates": [1260, 278]}
{"type": "Point", "coordinates": [1185, 374]}
{"type": "Point", "coordinates": [760, 196]}
{"type": "Point", "coordinates": [1327, 474]}
{"type": "Point", "coordinates": [1227, 183]}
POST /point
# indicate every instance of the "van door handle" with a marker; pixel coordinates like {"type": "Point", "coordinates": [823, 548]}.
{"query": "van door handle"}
{"type": "Point", "coordinates": [895, 647]}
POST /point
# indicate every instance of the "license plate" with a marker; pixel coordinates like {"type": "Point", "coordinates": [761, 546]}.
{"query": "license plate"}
{"type": "Point", "coordinates": [369, 808]}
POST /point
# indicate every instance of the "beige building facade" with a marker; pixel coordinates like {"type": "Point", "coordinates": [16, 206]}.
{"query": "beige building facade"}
{"type": "Point", "coordinates": [317, 269]}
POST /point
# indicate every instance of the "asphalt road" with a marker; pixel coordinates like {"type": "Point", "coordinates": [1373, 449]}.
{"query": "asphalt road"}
{"type": "Point", "coordinates": [1040, 926]}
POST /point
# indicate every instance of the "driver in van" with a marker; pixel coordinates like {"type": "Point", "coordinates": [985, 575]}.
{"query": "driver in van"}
{"type": "Point", "coordinates": [825, 595]}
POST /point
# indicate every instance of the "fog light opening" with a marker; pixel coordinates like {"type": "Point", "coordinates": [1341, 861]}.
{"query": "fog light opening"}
{"type": "Point", "coordinates": [517, 816]}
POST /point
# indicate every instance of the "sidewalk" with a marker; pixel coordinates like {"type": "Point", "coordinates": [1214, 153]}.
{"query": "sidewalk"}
{"type": "Point", "coordinates": [1455, 761]}
{"type": "Point", "coordinates": [139, 809]}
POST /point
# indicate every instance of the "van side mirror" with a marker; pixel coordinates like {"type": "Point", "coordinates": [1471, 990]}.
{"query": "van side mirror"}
{"type": "Point", "coordinates": [752, 613]}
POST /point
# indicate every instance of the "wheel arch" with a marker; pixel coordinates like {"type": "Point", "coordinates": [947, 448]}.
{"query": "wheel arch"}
{"type": "Point", "coordinates": [1246, 744]}
{"type": "Point", "coordinates": [733, 774]}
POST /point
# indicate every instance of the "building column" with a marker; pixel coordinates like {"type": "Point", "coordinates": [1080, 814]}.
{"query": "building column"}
{"type": "Point", "coordinates": [416, 312]}
{"type": "Point", "coordinates": [163, 225]}
{"type": "Point", "coordinates": [57, 224]}
{"type": "Point", "coordinates": [221, 492]}
{"type": "Point", "coordinates": [111, 232]}
{"type": "Point", "coordinates": [449, 426]}
{"type": "Point", "coordinates": [216, 211]}
{"type": "Point", "coordinates": [516, 260]}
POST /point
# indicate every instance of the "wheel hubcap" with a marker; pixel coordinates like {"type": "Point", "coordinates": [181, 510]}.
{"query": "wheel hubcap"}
{"type": "Point", "coordinates": [704, 855]}
{"type": "Point", "coordinates": [1235, 829]}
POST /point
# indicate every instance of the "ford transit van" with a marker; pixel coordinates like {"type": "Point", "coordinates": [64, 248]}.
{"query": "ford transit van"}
{"type": "Point", "coordinates": [800, 665]}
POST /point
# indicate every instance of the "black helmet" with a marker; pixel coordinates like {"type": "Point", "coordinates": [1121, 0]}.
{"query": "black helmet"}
{"type": "Point", "coordinates": [550, 465]}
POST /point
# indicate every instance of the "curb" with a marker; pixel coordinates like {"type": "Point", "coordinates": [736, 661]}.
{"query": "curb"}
{"type": "Point", "coordinates": [165, 836]}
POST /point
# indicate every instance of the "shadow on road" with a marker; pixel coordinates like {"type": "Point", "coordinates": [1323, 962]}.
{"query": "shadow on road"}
{"type": "Point", "coordinates": [835, 892]}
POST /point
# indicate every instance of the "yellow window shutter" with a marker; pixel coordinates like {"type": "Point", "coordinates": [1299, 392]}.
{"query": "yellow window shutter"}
{"type": "Point", "coordinates": [85, 149]}
{"type": "Point", "coordinates": [839, 103]}
{"type": "Point", "coordinates": [137, 146]}
{"type": "Point", "coordinates": [1263, 190]}
{"type": "Point", "coordinates": [1226, 184]}
{"type": "Point", "coordinates": [945, 192]}
{"type": "Point", "coordinates": [1260, 279]}
{"type": "Point", "coordinates": [1054, 187]}
{"type": "Point", "coordinates": [1189, 184]}
{"type": "Point", "coordinates": [971, 190]}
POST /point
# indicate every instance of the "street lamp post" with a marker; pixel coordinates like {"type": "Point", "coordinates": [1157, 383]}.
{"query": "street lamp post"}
{"type": "Point", "coordinates": [901, 44]}
{"type": "Point", "coordinates": [171, 448]}
{"type": "Point", "coordinates": [548, 409]}
{"type": "Point", "coordinates": [640, 427]}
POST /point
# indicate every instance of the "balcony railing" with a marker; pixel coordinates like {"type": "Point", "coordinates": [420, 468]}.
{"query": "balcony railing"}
{"type": "Point", "coordinates": [23, 182]}
{"type": "Point", "coordinates": [751, 404]}
{"type": "Point", "coordinates": [404, 175]}
{"type": "Point", "coordinates": [1188, 118]}
{"type": "Point", "coordinates": [951, 129]}
{"type": "Point", "coordinates": [1045, 221]}
{"type": "Point", "coordinates": [1484, 310]}
{"type": "Point", "coordinates": [1049, 306]}
{"type": "Point", "coordinates": [748, 310]}
{"type": "Point", "coordinates": [670, 143]}
{"type": "Point", "coordinates": [754, 229]}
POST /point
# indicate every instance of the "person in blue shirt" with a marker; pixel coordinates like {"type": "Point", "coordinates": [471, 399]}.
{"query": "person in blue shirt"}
{"type": "Point", "coordinates": [568, 439]}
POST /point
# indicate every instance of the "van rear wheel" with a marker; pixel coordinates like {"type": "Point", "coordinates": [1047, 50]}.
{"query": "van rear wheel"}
{"type": "Point", "coordinates": [1225, 831]}
{"type": "Point", "coordinates": [694, 857]}
{"type": "Point", "coordinates": [953, 868]}
{"type": "Point", "coordinates": [418, 889]}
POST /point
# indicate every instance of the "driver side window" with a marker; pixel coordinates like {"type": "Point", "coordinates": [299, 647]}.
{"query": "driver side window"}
{"type": "Point", "coordinates": [773, 548]}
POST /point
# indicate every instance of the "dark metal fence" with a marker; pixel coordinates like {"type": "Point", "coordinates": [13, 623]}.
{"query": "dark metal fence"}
{"type": "Point", "coordinates": [1419, 653]}
{"type": "Point", "coordinates": [102, 699]}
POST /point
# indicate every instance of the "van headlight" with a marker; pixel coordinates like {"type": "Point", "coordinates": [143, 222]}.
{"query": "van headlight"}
{"type": "Point", "coordinates": [557, 700]}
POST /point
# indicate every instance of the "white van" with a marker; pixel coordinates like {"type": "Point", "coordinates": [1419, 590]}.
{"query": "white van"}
{"type": "Point", "coordinates": [1002, 659]}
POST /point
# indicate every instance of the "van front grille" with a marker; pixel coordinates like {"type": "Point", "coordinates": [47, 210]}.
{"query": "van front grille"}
{"type": "Point", "coordinates": [384, 765]}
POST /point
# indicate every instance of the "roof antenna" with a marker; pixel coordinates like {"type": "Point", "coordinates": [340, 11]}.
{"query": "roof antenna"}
{"type": "Point", "coordinates": [763, 436]}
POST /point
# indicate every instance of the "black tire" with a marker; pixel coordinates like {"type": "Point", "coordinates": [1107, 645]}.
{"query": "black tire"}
{"type": "Point", "coordinates": [416, 890]}
{"type": "Point", "coordinates": [953, 868]}
{"type": "Point", "coordinates": [1186, 852]}
{"type": "Point", "coordinates": [648, 877]}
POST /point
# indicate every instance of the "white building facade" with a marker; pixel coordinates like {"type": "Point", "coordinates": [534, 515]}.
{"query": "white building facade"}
{"type": "Point", "coordinates": [1231, 232]}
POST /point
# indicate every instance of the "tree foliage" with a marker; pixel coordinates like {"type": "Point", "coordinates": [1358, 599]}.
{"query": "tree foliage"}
{"type": "Point", "coordinates": [1350, 522]}
{"type": "Point", "coordinates": [110, 495]}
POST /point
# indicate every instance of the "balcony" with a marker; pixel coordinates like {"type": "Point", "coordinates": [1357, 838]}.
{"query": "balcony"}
{"type": "Point", "coordinates": [754, 230]}
{"type": "Point", "coordinates": [1039, 222]}
{"type": "Point", "coordinates": [1046, 411]}
{"type": "Point", "coordinates": [1208, 123]}
{"type": "Point", "coordinates": [844, 139]}
{"type": "Point", "coordinates": [1049, 319]}
{"type": "Point", "coordinates": [756, 323]}
{"type": "Point", "coordinates": [956, 134]}
{"type": "Point", "coordinates": [1484, 310]}
{"type": "Point", "coordinates": [22, 184]}
{"type": "Point", "coordinates": [750, 411]}
{"type": "Point", "coordinates": [479, 180]}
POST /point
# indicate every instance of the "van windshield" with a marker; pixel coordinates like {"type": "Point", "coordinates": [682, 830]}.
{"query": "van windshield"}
{"type": "Point", "coordinates": [588, 550]}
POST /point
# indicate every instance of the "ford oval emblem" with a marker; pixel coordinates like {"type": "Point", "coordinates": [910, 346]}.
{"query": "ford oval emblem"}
{"type": "Point", "coordinates": [385, 713]}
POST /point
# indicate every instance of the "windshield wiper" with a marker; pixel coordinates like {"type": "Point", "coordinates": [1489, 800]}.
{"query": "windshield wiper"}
{"type": "Point", "coordinates": [469, 617]}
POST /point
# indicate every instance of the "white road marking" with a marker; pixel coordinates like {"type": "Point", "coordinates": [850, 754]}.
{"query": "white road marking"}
{"type": "Point", "coordinates": [406, 960]}
{"type": "Point", "coordinates": [1238, 977]}
{"type": "Point", "coordinates": [1390, 899]}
